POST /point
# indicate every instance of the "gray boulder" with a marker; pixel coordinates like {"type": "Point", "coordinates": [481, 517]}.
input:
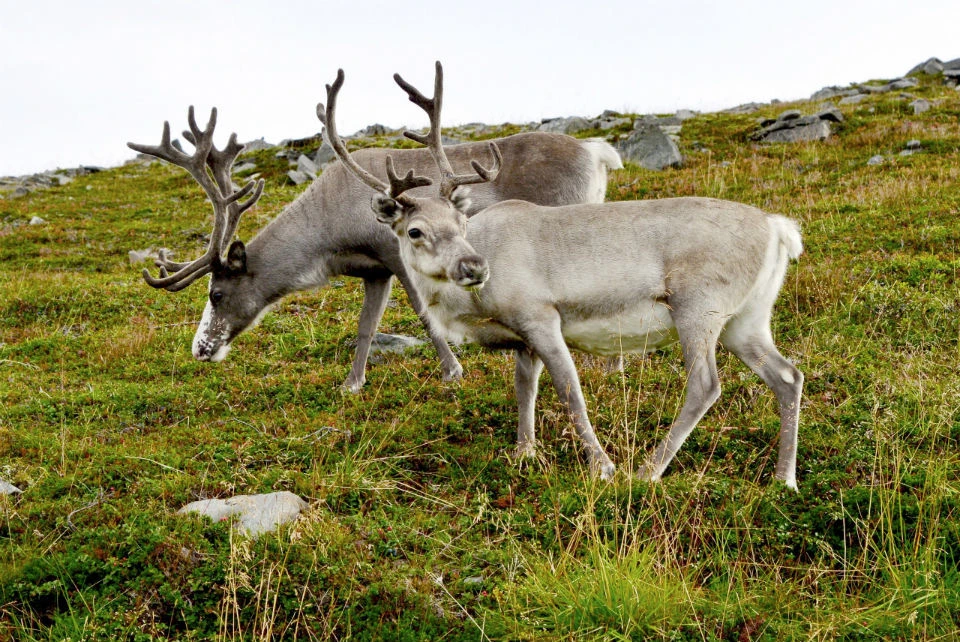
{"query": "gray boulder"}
{"type": "Point", "coordinates": [6, 488]}
{"type": "Point", "coordinates": [649, 147]}
{"type": "Point", "coordinates": [299, 178]}
{"type": "Point", "coordinates": [256, 514]}
{"type": "Point", "coordinates": [324, 155]}
{"type": "Point", "coordinates": [792, 126]}
{"type": "Point", "coordinates": [920, 106]}
{"type": "Point", "coordinates": [570, 126]}
{"type": "Point", "coordinates": [931, 67]}
{"type": "Point", "coordinates": [394, 343]}
{"type": "Point", "coordinates": [257, 145]}
{"type": "Point", "coordinates": [245, 166]}
{"type": "Point", "coordinates": [306, 165]}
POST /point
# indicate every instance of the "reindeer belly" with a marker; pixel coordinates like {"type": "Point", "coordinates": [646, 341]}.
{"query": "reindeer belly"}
{"type": "Point", "coordinates": [643, 328]}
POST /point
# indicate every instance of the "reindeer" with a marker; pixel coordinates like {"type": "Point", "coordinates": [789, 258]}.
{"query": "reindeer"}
{"type": "Point", "coordinates": [599, 278]}
{"type": "Point", "coordinates": [330, 231]}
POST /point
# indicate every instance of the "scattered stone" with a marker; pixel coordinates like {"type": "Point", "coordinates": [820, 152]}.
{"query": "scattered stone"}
{"type": "Point", "coordinates": [685, 114]}
{"type": "Point", "coordinates": [931, 67]}
{"type": "Point", "coordinates": [7, 488]}
{"type": "Point", "coordinates": [374, 130]}
{"type": "Point", "coordinates": [853, 99]}
{"type": "Point", "coordinates": [245, 166]}
{"type": "Point", "coordinates": [298, 178]}
{"type": "Point", "coordinates": [473, 581]}
{"type": "Point", "coordinates": [394, 343]}
{"type": "Point", "coordinates": [324, 155]}
{"type": "Point", "coordinates": [649, 147]}
{"type": "Point", "coordinates": [570, 126]}
{"type": "Point", "coordinates": [792, 126]}
{"type": "Point", "coordinates": [256, 145]}
{"type": "Point", "coordinates": [832, 92]}
{"type": "Point", "coordinates": [914, 144]}
{"type": "Point", "coordinates": [875, 160]}
{"type": "Point", "coordinates": [306, 165]}
{"type": "Point", "coordinates": [746, 108]}
{"type": "Point", "coordinates": [36, 220]}
{"type": "Point", "coordinates": [256, 514]}
{"type": "Point", "coordinates": [148, 255]}
{"type": "Point", "coordinates": [920, 106]}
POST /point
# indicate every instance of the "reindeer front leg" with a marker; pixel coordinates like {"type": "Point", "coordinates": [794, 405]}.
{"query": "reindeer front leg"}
{"type": "Point", "coordinates": [452, 370]}
{"type": "Point", "coordinates": [526, 379]}
{"type": "Point", "coordinates": [376, 293]}
{"type": "Point", "coordinates": [546, 340]}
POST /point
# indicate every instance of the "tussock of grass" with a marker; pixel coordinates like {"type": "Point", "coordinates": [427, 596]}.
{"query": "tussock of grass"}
{"type": "Point", "coordinates": [420, 525]}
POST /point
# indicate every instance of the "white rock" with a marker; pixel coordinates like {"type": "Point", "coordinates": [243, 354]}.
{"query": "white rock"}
{"type": "Point", "coordinates": [7, 488]}
{"type": "Point", "coordinates": [36, 220]}
{"type": "Point", "coordinates": [255, 514]}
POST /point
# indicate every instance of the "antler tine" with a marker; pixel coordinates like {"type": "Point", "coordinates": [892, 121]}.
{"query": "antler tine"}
{"type": "Point", "coordinates": [219, 188]}
{"type": "Point", "coordinates": [327, 116]}
{"type": "Point", "coordinates": [432, 139]}
{"type": "Point", "coordinates": [409, 181]}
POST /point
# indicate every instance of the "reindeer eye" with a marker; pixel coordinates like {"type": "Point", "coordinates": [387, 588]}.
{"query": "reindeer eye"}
{"type": "Point", "coordinates": [216, 297]}
{"type": "Point", "coordinates": [414, 233]}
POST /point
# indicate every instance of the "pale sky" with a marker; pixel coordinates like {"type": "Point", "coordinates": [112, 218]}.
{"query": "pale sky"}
{"type": "Point", "coordinates": [79, 79]}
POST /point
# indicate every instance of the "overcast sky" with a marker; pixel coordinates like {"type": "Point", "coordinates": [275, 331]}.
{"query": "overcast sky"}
{"type": "Point", "coordinates": [80, 78]}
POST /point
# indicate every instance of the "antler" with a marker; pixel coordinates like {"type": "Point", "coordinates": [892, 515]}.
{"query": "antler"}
{"type": "Point", "coordinates": [397, 186]}
{"type": "Point", "coordinates": [226, 199]}
{"type": "Point", "coordinates": [449, 180]}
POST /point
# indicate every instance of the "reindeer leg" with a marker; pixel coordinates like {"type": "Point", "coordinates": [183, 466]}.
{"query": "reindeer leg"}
{"type": "Point", "coordinates": [526, 381]}
{"type": "Point", "coordinates": [702, 391]}
{"type": "Point", "coordinates": [546, 340]}
{"type": "Point", "coordinates": [452, 370]}
{"type": "Point", "coordinates": [376, 293]}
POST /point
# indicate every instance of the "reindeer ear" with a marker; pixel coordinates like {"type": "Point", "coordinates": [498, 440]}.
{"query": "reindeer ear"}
{"type": "Point", "coordinates": [237, 257]}
{"type": "Point", "coordinates": [387, 209]}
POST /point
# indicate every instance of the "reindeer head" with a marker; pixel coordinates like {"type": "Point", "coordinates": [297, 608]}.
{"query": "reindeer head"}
{"type": "Point", "coordinates": [432, 231]}
{"type": "Point", "coordinates": [225, 316]}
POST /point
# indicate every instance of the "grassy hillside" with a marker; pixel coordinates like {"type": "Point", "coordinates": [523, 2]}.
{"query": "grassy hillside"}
{"type": "Point", "coordinates": [420, 527]}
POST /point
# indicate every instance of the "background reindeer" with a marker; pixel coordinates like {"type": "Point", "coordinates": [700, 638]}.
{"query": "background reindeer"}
{"type": "Point", "coordinates": [330, 231]}
{"type": "Point", "coordinates": [601, 278]}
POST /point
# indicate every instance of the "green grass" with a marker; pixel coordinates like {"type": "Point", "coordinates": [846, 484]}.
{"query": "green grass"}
{"type": "Point", "coordinates": [420, 525]}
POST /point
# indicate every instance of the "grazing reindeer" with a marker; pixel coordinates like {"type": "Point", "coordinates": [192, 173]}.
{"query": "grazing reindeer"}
{"type": "Point", "coordinates": [329, 230]}
{"type": "Point", "coordinates": [601, 278]}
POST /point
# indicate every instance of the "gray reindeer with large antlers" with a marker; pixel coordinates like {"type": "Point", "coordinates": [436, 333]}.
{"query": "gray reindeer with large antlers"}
{"type": "Point", "coordinates": [600, 278]}
{"type": "Point", "coordinates": [329, 230]}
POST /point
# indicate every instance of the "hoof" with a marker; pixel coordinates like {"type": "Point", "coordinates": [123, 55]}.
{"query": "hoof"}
{"type": "Point", "coordinates": [353, 387]}
{"type": "Point", "coordinates": [525, 451]}
{"type": "Point", "coordinates": [648, 473]}
{"type": "Point", "coordinates": [453, 374]}
{"type": "Point", "coordinates": [604, 469]}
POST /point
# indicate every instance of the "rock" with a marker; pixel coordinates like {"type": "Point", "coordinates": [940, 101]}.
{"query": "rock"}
{"type": "Point", "coordinates": [149, 254]}
{"type": "Point", "coordinates": [832, 114]}
{"type": "Point", "coordinates": [852, 100]}
{"type": "Point", "coordinates": [746, 108]}
{"type": "Point", "coordinates": [7, 488]}
{"type": "Point", "coordinates": [298, 178]}
{"type": "Point", "coordinates": [920, 106]}
{"type": "Point", "coordinates": [36, 220]}
{"type": "Point", "coordinates": [931, 67]}
{"type": "Point", "coordinates": [685, 114]}
{"type": "Point", "coordinates": [306, 165]}
{"type": "Point", "coordinates": [819, 130]}
{"type": "Point", "coordinates": [832, 92]}
{"type": "Point", "coordinates": [257, 145]}
{"type": "Point", "coordinates": [324, 155]}
{"type": "Point", "coordinates": [610, 123]}
{"type": "Point", "coordinates": [256, 514]}
{"type": "Point", "coordinates": [473, 581]}
{"type": "Point", "coordinates": [914, 144]}
{"type": "Point", "coordinates": [875, 160]}
{"type": "Point", "coordinates": [649, 147]}
{"type": "Point", "coordinates": [903, 83]}
{"type": "Point", "coordinates": [394, 343]}
{"type": "Point", "coordinates": [571, 125]}
{"type": "Point", "coordinates": [245, 166]}
{"type": "Point", "coordinates": [374, 130]}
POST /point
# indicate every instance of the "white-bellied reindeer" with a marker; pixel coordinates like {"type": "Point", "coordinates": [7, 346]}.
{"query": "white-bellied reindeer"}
{"type": "Point", "coordinates": [600, 278]}
{"type": "Point", "coordinates": [329, 230]}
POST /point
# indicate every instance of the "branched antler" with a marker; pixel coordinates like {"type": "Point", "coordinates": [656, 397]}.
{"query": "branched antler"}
{"type": "Point", "coordinates": [397, 185]}
{"type": "Point", "coordinates": [228, 203]}
{"type": "Point", "coordinates": [449, 180]}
